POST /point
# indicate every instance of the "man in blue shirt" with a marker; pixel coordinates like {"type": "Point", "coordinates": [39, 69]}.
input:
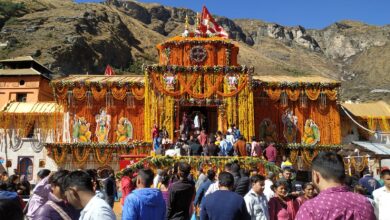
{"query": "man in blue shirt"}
{"type": "Point", "coordinates": [204, 187]}
{"type": "Point", "coordinates": [144, 203]}
{"type": "Point", "coordinates": [224, 204]}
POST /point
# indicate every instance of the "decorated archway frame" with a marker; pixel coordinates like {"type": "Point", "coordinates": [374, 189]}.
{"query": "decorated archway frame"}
{"type": "Point", "coordinates": [216, 163]}
{"type": "Point", "coordinates": [200, 83]}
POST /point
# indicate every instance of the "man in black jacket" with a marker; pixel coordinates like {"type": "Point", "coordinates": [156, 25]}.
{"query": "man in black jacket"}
{"type": "Point", "coordinates": [181, 195]}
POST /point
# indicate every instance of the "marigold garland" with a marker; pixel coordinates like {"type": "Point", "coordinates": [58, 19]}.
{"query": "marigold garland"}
{"type": "Point", "coordinates": [138, 92]}
{"type": "Point", "coordinates": [108, 155]}
{"type": "Point", "coordinates": [118, 93]}
{"type": "Point", "coordinates": [79, 93]}
{"type": "Point", "coordinates": [294, 156]}
{"type": "Point", "coordinates": [98, 95]}
{"type": "Point", "coordinates": [359, 166]}
{"type": "Point", "coordinates": [306, 156]}
{"type": "Point", "coordinates": [84, 157]}
{"type": "Point", "coordinates": [59, 159]}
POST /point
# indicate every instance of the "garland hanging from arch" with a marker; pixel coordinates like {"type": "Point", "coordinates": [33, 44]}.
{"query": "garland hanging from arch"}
{"type": "Point", "coordinates": [81, 159]}
{"type": "Point", "coordinates": [190, 86]}
{"type": "Point", "coordinates": [118, 93]}
{"type": "Point", "coordinates": [98, 95]}
{"type": "Point", "coordinates": [59, 159]}
{"type": "Point", "coordinates": [307, 158]}
{"type": "Point", "coordinates": [107, 152]}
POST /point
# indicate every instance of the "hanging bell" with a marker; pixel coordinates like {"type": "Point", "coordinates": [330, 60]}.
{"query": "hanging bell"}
{"type": "Point", "coordinates": [303, 99]}
{"type": "Point", "coordinates": [70, 98]}
{"type": "Point", "coordinates": [322, 100]}
{"type": "Point", "coordinates": [88, 95]}
{"type": "Point", "coordinates": [109, 99]}
{"type": "Point", "coordinates": [284, 99]}
{"type": "Point", "coordinates": [263, 98]}
{"type": "Point", "coordinates": [129, 100]}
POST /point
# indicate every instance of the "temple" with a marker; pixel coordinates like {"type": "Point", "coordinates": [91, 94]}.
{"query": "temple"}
{"type": "Point", "coordinates": [197, 85]}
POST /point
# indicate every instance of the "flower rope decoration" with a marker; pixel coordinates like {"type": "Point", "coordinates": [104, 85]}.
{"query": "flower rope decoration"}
{"type": "Point", "coordinates": [359, 166]}
{"type": "Point", "coordinates": [294, 156]}
{"type": "Point", "coordinates": [307, 158]}
{"type": "Point", "coordinates": [84, 156]}
{"type": "Point", "coordinates": [59, 159]}
{"type": "Point", "coordinates": [118, 93]}
{"type": "Point", "coordinates": [103, 159]}
{"type": "Point", "coordinates": [98, 95]}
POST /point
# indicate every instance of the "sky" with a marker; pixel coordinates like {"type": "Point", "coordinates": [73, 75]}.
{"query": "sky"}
{"type": "Point", "coordinates": [316, 14]}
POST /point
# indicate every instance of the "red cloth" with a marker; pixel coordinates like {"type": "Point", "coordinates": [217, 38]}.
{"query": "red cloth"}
{"type": "Point", "coordinates": [270, 153]}
{"type": "Point", "coordinates": [155, 132]}
{"type": "Point", "coordinates": [282, 210]}
{"type": "Point", "coordinates": [202, 138]}
{"type": "Point", "coordinates": [208, 23]}
{"type": "Point", "coordinates": [126, 187]}
{"type": "Point", "coordinates": [109, 71]}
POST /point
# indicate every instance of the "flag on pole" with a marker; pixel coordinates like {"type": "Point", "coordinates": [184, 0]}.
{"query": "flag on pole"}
{"type": "Point", "coordinates": [109, 71]}
{"type": "Point", "coordinates": [208, 24]}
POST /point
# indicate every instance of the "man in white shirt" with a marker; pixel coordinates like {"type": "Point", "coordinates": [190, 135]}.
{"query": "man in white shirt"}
{"type": "Point", "coordinates": [214, 186]}
{"type": "Point", "coordinates": [256, 202]}
{"type": "Point", "coordinates": [80, 194]}
{"type": "Point", "coordinates": [382, 198]}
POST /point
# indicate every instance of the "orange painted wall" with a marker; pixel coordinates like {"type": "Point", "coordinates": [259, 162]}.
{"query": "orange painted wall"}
{"type": "Point", "coordinates": [36, 87]}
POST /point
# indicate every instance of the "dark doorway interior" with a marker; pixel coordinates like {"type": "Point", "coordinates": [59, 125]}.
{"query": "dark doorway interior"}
{"type": "Point", "coordinates": [208, 117]}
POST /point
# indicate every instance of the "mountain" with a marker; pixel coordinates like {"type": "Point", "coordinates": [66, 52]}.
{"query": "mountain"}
{"type": "Point", "coordinates": [75, 38]}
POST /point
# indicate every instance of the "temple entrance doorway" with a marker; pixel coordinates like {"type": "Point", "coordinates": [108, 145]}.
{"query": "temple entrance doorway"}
{"type": "Point", "coordinates": [192, 119]}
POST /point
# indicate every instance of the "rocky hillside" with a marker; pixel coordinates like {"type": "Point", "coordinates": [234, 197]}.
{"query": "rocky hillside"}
{"type": "Point", "coordinates": [75, 38]}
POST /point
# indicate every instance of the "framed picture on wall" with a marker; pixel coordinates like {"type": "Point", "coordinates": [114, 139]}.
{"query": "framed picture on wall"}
{"type": "Point", "coordinates": [42, 163]}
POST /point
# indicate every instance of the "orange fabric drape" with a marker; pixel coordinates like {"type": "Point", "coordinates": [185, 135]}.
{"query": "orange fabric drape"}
{"type": "Point", "coordinates": [79, 93]}
{"type": "Point", "coordinates": [312, 93]}
{"type": "Point", "coordinates": [118, 93]}
{"type": "Point", "coordinates": [274, 94]}
{"type": "Point", "coordinates": [293, 95]}
{"type": "Point", "coordinates": [332, 94]}
{"type": "Point", "coordinates": [138, 92]}
{"type": "Point", "coordinates": [98, 95]}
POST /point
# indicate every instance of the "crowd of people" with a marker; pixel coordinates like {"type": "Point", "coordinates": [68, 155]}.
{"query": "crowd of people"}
{"type": "Point", "coordinates": [197, 142]}
{"type": "Point", "coordinates": [176, 193]}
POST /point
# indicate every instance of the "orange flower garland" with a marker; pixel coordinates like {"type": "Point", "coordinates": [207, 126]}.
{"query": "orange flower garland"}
{"type": "Point", "coordinates": [107, 153]}
{"type": "Point", "coordinates": [59, 159]}
{"type": "Point", "coordinates": [118, 93]}
{"type": "Point", "coordinates": [83, 158]}
{"type": "Point", "coordinates": [98, 95]}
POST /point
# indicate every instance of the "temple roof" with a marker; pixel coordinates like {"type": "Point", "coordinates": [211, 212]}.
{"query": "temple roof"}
{"type": "Point", "coordinates": [291, 79]}
{"type": "Point", "coordinates": [101, 79]}
{"type": "Point", "coordinates": [31, 108]}
{"type": "Point", "coordinates": [365, 110]}
{"type": "Point", "coordinates": [19, 72]}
